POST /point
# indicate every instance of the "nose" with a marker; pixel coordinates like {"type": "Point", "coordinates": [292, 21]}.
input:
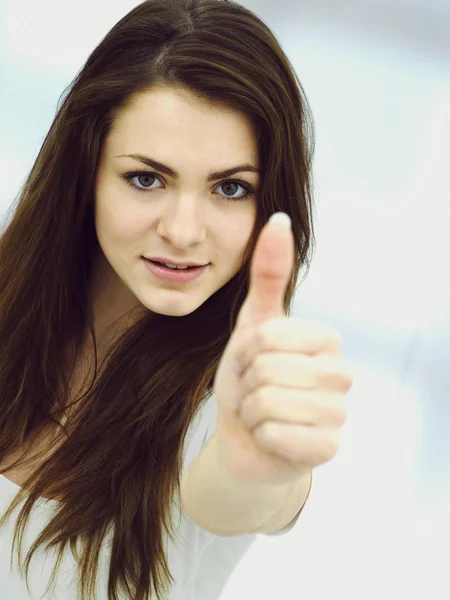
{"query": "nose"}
{"type": "Point", "coordinates": [182, 224]}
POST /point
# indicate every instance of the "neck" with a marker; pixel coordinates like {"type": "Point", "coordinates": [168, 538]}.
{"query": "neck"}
{"type": "Point", "coordinates": [114, 308]}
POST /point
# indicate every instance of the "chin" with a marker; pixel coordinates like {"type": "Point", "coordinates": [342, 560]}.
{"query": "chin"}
{"type": "Point", "coordinates": [175, 313]}
{"type": "Point", "coordinates": [167, 311]}
{"type": "Point", "coordinates": [173, 307]}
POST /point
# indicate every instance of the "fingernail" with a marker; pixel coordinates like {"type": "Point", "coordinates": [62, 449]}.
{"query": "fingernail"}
{"type": "Point", "coordinates": [281, 218]}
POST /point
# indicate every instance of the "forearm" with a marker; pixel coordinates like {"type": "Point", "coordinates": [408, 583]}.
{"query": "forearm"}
{"type": "Point", "coordinates": [219, 503]}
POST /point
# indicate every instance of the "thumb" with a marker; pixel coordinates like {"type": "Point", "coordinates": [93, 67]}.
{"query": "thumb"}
{"type": "Point", "coordinates": [270, 271]}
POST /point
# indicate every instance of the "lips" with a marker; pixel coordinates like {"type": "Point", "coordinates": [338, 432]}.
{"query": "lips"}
{"type": "Point", "coordinates": [172, 265]}
{"type": "Point", "coordinates": [177, 263]}
{"type": "Point", "coordinates": [174, 275]}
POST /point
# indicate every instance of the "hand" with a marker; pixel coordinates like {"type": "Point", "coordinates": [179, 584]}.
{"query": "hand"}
{"type": "Point", "coordinates": [281, 381]}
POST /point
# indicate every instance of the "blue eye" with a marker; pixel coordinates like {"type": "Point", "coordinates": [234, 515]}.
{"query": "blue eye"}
{"type": "Point", "coordinates": [145, 179]}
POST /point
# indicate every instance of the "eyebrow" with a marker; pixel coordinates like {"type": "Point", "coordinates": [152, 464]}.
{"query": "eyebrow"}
{"type": "Point", "coordinates": [168, 171]}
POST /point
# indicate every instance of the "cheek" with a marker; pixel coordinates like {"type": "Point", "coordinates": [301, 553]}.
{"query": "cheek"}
{"type": "Point", "coordinates": [118, 221]}
{"type": "Point", "coordinates": [235, 237]}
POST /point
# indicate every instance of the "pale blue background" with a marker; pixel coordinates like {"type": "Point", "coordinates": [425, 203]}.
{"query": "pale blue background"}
{"type": "Point", "coordinates": [377, 524]}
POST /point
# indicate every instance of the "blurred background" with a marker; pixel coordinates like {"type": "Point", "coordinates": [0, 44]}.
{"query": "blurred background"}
{"type": "Point", "coordinates": [377, 76]}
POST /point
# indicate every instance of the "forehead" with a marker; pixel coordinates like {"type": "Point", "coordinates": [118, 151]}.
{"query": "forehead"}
{"type": "Point", "coordinates": [173, 122]}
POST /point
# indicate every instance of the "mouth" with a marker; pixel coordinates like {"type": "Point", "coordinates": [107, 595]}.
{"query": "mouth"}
{"type": "Point", "coordinates": [173, 273]}
{"type": "Point", "coordinates": [176, 265]}
{"type": "Point", "coordinates": [173, 266]}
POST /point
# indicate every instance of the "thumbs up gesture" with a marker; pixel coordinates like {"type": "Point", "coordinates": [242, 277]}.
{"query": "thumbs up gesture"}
{"type": "Point", "coordinates": [281, 382]}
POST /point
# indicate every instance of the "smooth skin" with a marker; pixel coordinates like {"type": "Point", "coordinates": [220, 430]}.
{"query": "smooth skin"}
{"type": "Point", "coordinates": [183, 217]}
{"type": "Point", "coordinates": [280, 390]}
{"type": "Point", "coordinates": [286, 375]}
{"type": "Point", "coordinates": [282, 381]}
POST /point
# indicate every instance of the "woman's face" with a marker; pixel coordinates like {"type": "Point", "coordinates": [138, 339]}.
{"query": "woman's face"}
{"type": "Point", "coordinates": [190, 215]}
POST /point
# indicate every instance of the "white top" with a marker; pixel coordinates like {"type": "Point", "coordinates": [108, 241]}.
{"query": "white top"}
{"type": "Point", "coordinates": [198, 575]}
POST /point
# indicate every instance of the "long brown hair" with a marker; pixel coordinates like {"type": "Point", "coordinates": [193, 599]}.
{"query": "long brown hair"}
{"type": "Point", "coordinates": [120, 465]}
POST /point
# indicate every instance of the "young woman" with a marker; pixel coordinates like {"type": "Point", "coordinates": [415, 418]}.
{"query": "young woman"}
{"type": "Point", "coordinates": [123, 271]}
